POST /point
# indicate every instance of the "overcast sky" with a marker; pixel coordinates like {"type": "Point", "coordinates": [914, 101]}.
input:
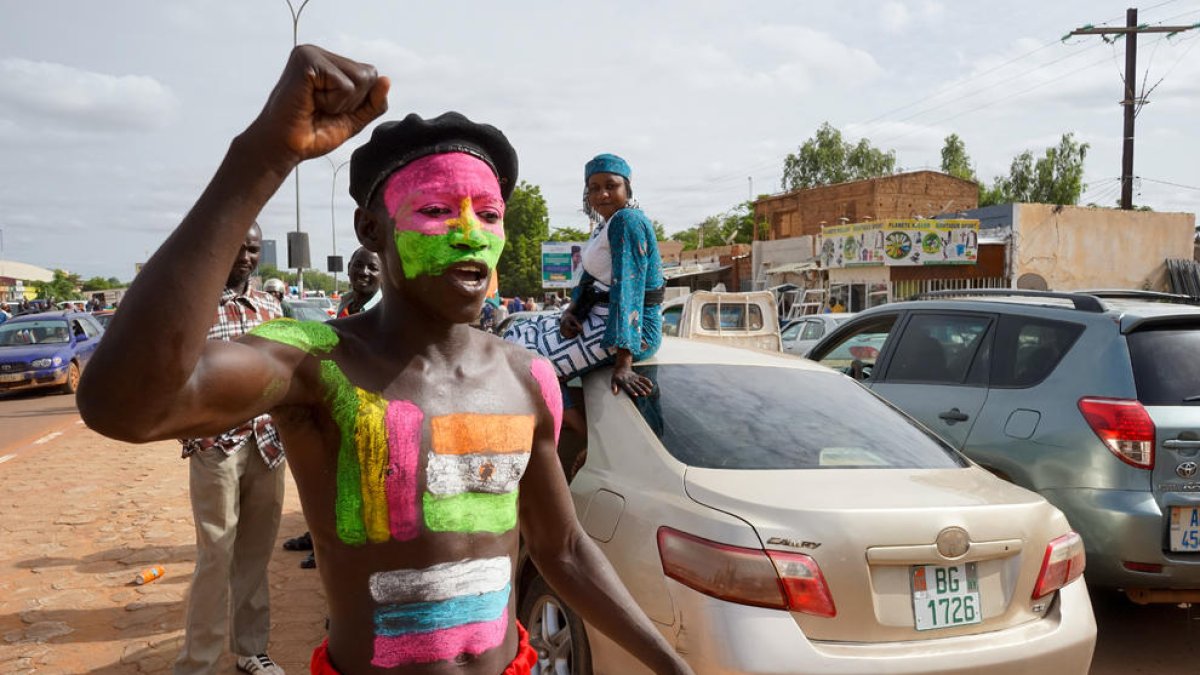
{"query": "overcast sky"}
{"type": "Point", "coordinates": [114, 115]}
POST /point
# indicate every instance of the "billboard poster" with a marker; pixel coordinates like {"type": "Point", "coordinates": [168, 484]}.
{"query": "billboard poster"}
{"type": "Point", "coordinates": [900, 243]}
{"type": "Point", "coordinates": [562, 263]}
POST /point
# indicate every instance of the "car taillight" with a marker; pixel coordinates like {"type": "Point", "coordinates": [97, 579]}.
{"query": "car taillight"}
{"type": "Point", "coordinates": [1124, 426]}
{"type": "Point", "coordinates": [747, 576]}
{"type": "Point", "coordinates": [1063, 563]}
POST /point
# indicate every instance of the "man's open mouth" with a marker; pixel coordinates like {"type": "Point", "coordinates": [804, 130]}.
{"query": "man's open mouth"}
{"type": "Point", "coordinates": [470, 276]}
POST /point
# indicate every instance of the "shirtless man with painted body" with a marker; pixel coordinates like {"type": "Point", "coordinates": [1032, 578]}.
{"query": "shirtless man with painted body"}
{"type": "Point", "coordinates": [417, 444]}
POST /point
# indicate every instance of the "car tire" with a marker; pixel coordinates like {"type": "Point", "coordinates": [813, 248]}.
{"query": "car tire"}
{"type": "Point", "coordinates": [72, 382]}
{"type": "Point", "coordinates": [556, 633]}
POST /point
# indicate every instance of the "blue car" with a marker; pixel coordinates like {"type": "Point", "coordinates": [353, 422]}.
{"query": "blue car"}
{"type": "Point", "coordinates": [49, 349]}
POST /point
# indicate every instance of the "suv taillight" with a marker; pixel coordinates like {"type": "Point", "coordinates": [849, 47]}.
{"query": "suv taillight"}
{"type": "Point", "coordinates": [1063, 563]}
{"type": "Point", "coordinates": [1124, 426]}
{"type": "Point", "coordinates": [747, 576]}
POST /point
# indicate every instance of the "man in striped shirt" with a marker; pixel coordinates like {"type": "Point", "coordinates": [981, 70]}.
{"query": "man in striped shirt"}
{"type": "Point", "coordinates": [237, 495]}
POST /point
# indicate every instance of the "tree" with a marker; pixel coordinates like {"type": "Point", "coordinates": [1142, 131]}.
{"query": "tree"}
{"type": "Point", "coordinates": [526, 226]}
{"type": "Point", "coordinates": [102, 284]}
{"type": "Point", "coordinates": [63, 286]}
{"type": "Point", "coordinates": [956, 161]}
{"type": "Point", "coordinates": [735, 226]}
{"type": "Point", "coordinates": [568, 234]}
{"type": "Point", "coordinates": [827, 158]}
{"type": "Point", "coordinates": [660, 230]}
{"type": "Point", "coordinates": [1054, 178]}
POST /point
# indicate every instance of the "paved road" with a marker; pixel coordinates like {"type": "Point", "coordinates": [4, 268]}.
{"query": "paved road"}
{"type": "Point", "coordinates": [80, 514]}
{"type": "Point", "coordinates": [32, 419]}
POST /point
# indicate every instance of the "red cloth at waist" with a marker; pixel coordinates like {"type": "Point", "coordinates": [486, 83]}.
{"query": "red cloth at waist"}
{"type": "Point", "coordinates": [521, 665]}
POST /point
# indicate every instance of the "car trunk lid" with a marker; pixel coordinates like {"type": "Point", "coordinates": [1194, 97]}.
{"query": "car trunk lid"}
{"type": "Point", "coordinates": [870, 530]}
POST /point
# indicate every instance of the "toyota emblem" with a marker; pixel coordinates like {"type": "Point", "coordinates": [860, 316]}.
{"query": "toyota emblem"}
{"type": "Point", "coordinates": [1186, 469]}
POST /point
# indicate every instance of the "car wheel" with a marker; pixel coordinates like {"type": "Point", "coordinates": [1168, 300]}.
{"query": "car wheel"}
{"type": "Point", "coordinates": [556, 633]}
{"type": "Point", "coordinates": [72, 382]}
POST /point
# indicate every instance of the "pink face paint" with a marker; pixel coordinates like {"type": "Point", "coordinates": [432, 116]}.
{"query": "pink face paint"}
{"type": "Point", "coordinates": [543, 373]}
{"type": "Point", "coordinates": [404, 449]}
{"type": "Point", "coordinates": [440, 645]}
{"type": "Point", "coordinates": [440, 193]}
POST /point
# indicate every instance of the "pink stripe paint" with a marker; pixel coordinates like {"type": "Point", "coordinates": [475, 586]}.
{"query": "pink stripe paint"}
{"type": "Point", "coordinates": [404, 451]}
{"type": "Point", "coordinates": [439, 645]}
{"type": "Point", "coordinates": [543, 372]}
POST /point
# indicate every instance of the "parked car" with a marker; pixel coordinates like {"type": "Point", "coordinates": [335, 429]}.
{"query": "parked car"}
{"type": "Point", "coordinates": [325, 304]}
{"type": "Point", "coordinates": [800, 335]}
{"type": "Point", "coordinates": [49, 349]}
{"type": "Point", "coordinates": [737, 319]}
{"type": "Point", "coordinates": [1092, 400]}
{"type": "Point", "coordinates": [303, 310]}
{"type": "Point", "coordinates": [104, 317]}
{"type": "Point", "coordinates": [771, 516]}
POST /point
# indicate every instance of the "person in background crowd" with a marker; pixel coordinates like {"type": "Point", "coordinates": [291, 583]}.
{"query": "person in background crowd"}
{"type": "Point", "coordinates": [515, 305]}
{"type": "Point", "coordinates": [615, 314]}
{"type": "Point", "coordinates": [364, 290]}
{"type": "Point", "coordinates": [276, 287]}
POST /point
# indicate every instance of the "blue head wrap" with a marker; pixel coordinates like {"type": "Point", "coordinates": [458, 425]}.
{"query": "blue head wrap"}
{"type": "Point", "coordinates": [607, 163]}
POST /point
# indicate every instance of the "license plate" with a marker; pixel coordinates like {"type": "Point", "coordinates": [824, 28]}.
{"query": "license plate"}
{"type": "Point", "coordinates": [945, 596]}
{"type": "Point", "coordinates": [1185, 528]}
{"type": "Point", "coordinates": [12, 377]}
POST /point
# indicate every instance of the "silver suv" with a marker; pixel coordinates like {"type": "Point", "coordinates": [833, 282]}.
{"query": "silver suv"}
{"type": "Point", "coordinates": [1091, 399]}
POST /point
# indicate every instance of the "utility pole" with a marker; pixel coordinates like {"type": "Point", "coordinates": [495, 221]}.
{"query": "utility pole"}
{"type": "Point", "coordinates": [296, 172]}
{"type": "Point", "coordinates": [1132, 100]}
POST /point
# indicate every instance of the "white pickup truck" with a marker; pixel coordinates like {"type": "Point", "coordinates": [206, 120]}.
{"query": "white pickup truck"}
{"type": "Point", "coordinates": [738, 319]}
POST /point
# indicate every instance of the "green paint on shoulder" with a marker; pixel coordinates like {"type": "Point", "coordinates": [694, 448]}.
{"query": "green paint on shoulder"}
{"type": "Point", "coordinates": [310, 336]}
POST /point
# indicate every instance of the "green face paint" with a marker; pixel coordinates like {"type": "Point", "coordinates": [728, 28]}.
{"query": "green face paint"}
{"type": "Point", "coordinates": [434, 253]}
{"type": "Point", "coordinates": [309, 336]}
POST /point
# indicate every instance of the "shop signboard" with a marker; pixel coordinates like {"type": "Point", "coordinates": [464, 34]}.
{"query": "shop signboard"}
{"type": "Point", "coordinates": [562, 263]}
{"type": "Point", "coordinates": [900, 243]}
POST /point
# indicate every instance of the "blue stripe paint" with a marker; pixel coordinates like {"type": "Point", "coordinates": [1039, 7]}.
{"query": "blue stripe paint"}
{"type": "Point", "coordinates": [420, 617]}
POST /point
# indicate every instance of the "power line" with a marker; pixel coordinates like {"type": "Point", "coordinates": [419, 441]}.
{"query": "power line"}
{"type": "Point", "coordinates": [1167, 182]}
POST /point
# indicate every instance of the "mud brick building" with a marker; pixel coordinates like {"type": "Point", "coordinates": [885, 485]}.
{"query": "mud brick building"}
{"type": "Point", "coordinates": [917, 194]}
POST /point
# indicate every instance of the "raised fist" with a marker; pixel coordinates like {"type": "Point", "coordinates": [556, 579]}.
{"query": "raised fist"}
{"type": "Point", "coordinates": [321, 100]}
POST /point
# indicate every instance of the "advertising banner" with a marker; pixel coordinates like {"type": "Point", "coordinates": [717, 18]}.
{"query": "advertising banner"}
{"type": "Point", "coordinates": [896, 243]}
{"type": "Point", "coordinates": [562, 263]}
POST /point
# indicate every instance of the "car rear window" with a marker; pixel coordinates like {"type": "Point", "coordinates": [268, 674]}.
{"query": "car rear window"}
{"type": "Point", "coordinates": [1166, 365]}
{"type": "Point", "coordinates": [761, 417]}
{"type": "Point", "coordinates": [730, 317]}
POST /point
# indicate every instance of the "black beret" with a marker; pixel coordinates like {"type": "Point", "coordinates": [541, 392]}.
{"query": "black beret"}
{"type": "Point", "coordinates": [395, 144]}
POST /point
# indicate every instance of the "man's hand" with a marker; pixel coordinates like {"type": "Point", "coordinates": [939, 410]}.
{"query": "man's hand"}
{"type": "Point", "coordinates": [321, 100]}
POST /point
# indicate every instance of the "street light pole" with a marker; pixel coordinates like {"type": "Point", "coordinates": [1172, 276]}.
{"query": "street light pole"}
{"type": "Point", "coordinates": [332, 221]}
{"type": "Point", "coordinates": [295, 30]}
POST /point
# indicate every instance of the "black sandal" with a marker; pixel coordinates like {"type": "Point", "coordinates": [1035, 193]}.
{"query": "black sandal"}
{"type": "Point", "coordinates": [301, 543]}
{"type": "Point", "coordinates": [309, 563]}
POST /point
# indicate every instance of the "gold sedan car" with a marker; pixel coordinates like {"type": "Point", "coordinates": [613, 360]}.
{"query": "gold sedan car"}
{"type": "Point", "coordinates": [773, 516]}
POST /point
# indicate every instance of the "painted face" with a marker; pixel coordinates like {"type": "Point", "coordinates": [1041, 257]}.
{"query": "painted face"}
{"type": "Point", "coordinates": [449, 219]}
{"type": "Point", "coordinates": [606, 193]}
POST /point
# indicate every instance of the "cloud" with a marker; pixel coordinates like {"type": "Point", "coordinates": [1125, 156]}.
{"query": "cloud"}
{"type": "Point", "coordinates": [52, 95]}
{"type": "Point", "coordinates": [894, 17]}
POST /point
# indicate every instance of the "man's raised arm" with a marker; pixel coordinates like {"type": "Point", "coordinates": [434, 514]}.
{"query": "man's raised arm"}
{"type": "Point", "coordinates": [154, 374]}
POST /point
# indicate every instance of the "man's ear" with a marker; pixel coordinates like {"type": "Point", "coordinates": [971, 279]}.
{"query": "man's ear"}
{"type": "Point", "coordinates": [370, 229]}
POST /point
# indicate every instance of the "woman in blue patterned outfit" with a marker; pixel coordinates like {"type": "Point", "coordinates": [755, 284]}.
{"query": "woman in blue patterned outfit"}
{"type": "Point", "coordinates": [615, 315]}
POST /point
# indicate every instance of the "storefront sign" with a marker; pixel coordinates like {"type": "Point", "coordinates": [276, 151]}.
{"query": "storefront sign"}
{"type": "Point", "coordinates": [900, 243]}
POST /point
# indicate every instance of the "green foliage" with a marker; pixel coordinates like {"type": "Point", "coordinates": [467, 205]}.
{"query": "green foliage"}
{"type": "Point", "coordinates": [313, 280]}
{"type": "Point", "coordinates": [526, 226]}
{"type": "Point", "coordinates": [827, 158]}
{"type": "Point", "coordinates": [956, 161]}
{"type": "Point", "coordinates": [1054, 178]}
{"type": "Point", "coordinates": [102, 284]}
{"type": "Point", "coordinates": [660, 230]}
{"type": "Point", "coordinates": [735, 226]}
{"type": "Point", "coordinates": [63, 286]}
{"type": "Point", "coordinates": [568, 234]}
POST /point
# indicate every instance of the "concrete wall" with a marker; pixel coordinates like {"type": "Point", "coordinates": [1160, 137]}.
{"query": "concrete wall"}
{"type": "Point", "coordinates": [1075, 248]}
{"type": "Point", "coordinates": [780, 252]}
{"type": "Point", "coordinates": [905, 195]}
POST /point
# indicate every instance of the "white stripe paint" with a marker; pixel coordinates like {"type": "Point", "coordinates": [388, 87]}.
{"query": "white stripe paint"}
{"type": "Point", "coordinates": [442, 581]}
{"type": "Point", "coordinates": [6, 458]}
{"type": "Point", "coordinates": [493, 474]}
{"type": "Point", "coordinates": [48, 437]}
